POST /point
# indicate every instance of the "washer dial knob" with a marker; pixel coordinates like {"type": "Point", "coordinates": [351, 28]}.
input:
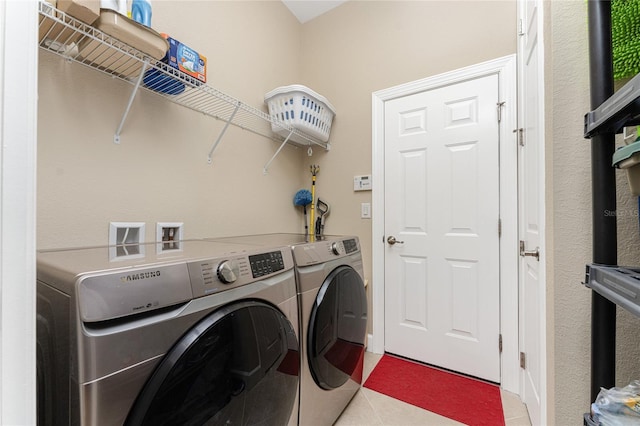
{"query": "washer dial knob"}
{"type": "Point", "coordinates": [228, 271]}
{"type": "Point", "coordinates": [337, 248]}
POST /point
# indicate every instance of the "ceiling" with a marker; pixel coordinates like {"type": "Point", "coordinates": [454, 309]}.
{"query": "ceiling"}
{"type": "Point", "coordinates": [306, 10]}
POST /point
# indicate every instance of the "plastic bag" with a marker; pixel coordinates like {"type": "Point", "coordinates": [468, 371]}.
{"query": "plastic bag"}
{"type": "Point", "coordinates": [618, 406]}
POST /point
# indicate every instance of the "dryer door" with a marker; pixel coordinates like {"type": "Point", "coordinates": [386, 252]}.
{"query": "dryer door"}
{"type": "Point", "coordinates": [337, 328]}
{"type": "Point", "coordinates": [239, 365]}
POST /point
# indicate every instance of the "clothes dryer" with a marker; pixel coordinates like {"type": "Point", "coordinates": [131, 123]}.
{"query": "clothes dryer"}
{"type": "Point", "coordinates": [204, 335]}
{"type": "Point", "coordinates": [333, 320]}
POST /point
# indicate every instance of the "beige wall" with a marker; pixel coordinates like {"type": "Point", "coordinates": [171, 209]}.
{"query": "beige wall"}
{"type": "Point", "coordinates": [159, 172]}
{"type": "Point", "coordinates": [569, 220]}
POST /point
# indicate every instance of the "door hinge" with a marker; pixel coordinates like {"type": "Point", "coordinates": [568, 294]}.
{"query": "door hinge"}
{"type": "Point", "coordinates": [520, 27]}
{"type": "Point", "coordinates": [523, 360]}
{"type": "Point", "coordinates": [520, 136]}
{"type": "Point", "coordinates": [499, 228]}
{"type": "Point", "coordinates": [500, 105]}
{"type": "Point", "coordinates": [500, 343]}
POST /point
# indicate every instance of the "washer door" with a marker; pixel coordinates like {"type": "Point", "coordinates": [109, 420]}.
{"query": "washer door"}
{"type": "Point", "coordinates": [337, 328]}
{"type": "Point", "coordinates": [239, 365]}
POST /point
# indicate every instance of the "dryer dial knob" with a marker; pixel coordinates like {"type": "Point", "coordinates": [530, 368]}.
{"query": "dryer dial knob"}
{"type": "Point", "coordinates": [337, 249]}
{"type": "Point", "coordinates": [228, 271]}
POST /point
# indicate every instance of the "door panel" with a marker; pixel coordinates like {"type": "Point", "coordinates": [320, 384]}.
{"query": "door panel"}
{"type": "Point", "coordinates": [442, 205]}
{"type": "Point", "coordinates": [412, 293]}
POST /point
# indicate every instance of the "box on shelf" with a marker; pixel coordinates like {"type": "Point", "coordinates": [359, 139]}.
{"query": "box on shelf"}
{"type": "Point", "coordinates": [301, 108]}
{"type": "Point", "coordinates": [57, 35]}
{"type": "Point", "coordinates": [628, 158]}
{"type": "Point", "coordinates": [46, 24]}
{"type": "Point", "coordinates": [187, 60]}
{"type": "Point", "coordinates": [84, 10]}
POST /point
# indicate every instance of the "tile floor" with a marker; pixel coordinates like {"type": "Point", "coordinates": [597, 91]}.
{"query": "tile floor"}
{"type": "Point", "coordinates": [370, 408]}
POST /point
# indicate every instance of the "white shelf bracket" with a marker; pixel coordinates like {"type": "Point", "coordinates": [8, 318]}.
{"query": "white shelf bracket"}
{"type": "Point", "coordinates": [265, 170]}
{"type": "Point", "coordinates": [224, 129]}
{"type": "Point", "coordinates": [116, 137]}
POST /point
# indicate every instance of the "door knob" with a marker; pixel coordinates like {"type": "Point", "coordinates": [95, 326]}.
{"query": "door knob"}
{"type": "Point", "coordinates": [533, 253]}
{"type": "Point", "coordinates": [392, 240]}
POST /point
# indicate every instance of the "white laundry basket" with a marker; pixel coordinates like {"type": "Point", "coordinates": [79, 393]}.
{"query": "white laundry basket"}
{"type": "Point", "coordinates": [301, 108]}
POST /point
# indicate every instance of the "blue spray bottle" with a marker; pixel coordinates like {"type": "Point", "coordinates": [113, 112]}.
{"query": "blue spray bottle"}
{"type": "Point", "coordinates": [141, 12]}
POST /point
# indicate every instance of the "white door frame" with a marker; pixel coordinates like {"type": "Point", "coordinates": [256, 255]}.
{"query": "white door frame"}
{"type": "Point", "coordinates": [18, 128]}
{"type": "Point", "coordinates": [505, 68]}
{"type": "Point", "coordinates": [533, 34]}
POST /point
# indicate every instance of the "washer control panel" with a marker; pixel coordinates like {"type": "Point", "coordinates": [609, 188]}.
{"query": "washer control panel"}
{"type": "Point", "coordinates": [228, 271]}
{"type": "Point", "coordinates": [214, 275]}
{"type": "Point", "coordinates": [266, 263]}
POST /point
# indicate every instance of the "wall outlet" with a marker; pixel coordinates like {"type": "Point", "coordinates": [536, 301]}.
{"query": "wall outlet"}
{"type": "Point", "coordinates": [169, 236]}
{"type": "Point", "coordinates": [125, 240]}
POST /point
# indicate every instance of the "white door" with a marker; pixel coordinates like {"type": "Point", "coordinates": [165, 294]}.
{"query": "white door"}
{"type": "Point", "coordinates": [442, 207]}
{"type": "Point", "coordinates": [531, 191]}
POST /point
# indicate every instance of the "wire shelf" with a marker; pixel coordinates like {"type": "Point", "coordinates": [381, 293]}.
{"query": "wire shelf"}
{"type": "Point", "coordinates": [76, 41]}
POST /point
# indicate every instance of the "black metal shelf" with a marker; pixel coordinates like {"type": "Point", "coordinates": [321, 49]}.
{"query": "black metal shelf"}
{"type": "Point", "coordinates": [610, 112]}
{"type": "Point", "coordinates": [621, 110]}
{"type": "Point", "coordinates": [620, 285]}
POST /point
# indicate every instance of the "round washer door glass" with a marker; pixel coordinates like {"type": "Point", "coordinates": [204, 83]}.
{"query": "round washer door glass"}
{"type": "Point", "coordinates": [239, 365]}
{"type": "Point", "coordinates": [337, 328]}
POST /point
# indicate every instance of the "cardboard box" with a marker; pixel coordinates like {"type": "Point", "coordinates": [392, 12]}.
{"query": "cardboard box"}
{"type": "Point", "coordinates": [187, 60]}
{"type": "Point", "coordinates": [84, 10]}
{"type": "Point", "coordinates": [55, 35]}
{"type": "Point", "coordinates": [45, 23]}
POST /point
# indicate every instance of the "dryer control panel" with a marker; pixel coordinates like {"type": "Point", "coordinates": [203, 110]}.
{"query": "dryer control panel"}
{"type": "Point", "coordinates": [323, 251]}
{"type": "Point", "coordinates": [350, 245]}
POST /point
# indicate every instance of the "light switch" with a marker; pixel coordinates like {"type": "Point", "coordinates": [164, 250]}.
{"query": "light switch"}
{"type": "Point", "coordinates": [365, 210]}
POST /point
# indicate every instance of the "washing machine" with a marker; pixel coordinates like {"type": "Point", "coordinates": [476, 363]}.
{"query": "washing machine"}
{"type": "Point", "coordinates": [203, 335]}
{"type": "Point", "coordinates": [333, 320]}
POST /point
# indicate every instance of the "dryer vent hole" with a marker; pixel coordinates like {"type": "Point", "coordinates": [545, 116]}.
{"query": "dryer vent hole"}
{"type": "Point", "coordinates": [126, 238]}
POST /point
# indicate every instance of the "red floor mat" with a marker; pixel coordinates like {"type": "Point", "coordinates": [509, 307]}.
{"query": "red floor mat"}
{"type": "Point", "coordinates": [466, 400]}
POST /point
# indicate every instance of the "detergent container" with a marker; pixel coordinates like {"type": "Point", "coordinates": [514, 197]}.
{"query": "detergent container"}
{"type": "Point", "coordinates": [141, 12]}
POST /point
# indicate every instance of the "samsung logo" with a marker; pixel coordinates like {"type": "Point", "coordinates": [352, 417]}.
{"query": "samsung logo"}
{"type": "Point", "coordinates": [140, 276]}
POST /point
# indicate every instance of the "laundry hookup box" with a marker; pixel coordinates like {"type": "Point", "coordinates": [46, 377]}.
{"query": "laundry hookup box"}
{"type": "Point", "coordinates": [185, 59]}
